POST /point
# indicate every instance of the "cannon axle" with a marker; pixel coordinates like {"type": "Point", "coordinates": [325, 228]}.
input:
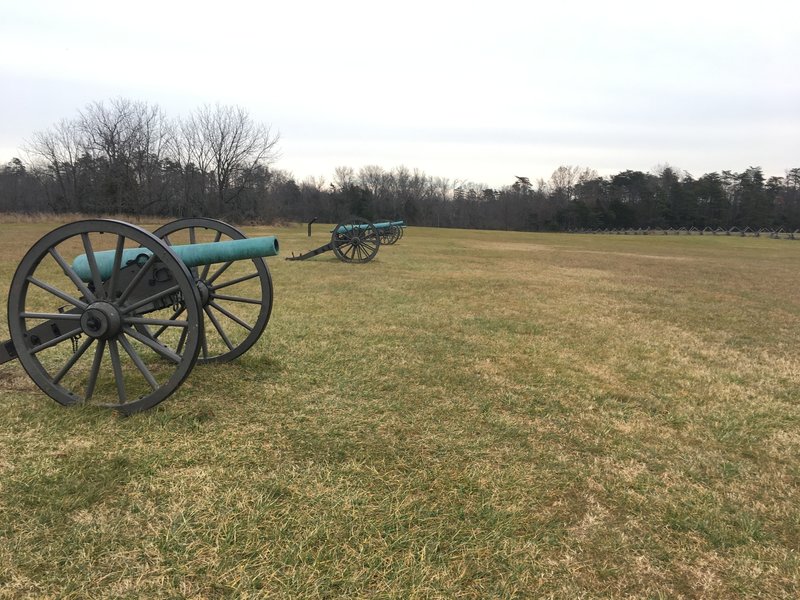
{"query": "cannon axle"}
{"type": "Point", "coordinates": [101, 321]}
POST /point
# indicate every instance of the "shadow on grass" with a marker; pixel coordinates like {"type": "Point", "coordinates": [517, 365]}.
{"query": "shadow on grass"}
{"type": "Point", "coordinates": [73, 480]}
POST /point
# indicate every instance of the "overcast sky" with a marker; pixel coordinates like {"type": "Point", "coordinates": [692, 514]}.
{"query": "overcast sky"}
{"type": "Point", "coordinates": [481, 91]}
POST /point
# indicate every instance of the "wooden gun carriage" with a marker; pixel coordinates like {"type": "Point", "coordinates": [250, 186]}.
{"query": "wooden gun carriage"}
{"type": "Point", "coordinates": [124, 324]}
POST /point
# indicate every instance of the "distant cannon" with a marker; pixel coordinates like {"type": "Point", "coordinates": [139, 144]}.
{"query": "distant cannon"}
{"type": "Point", "coordinates": [123, 325]}
{"type": "Point", "coordinates": [390, 231]}
{"type": "Point", "coordinates": [356, 240]}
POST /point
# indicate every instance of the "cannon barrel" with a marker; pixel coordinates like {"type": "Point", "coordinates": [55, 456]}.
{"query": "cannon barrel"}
{"type": "Point", "coordinates": [192, 255]}
{"type": "Point", "coordinates": [381, 225]}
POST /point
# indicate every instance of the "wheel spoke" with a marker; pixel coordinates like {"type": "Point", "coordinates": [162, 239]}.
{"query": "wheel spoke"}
{"type": "Point", "coordinates": [146, 330]}
{"type": "Point", "coordinates": [137, 360]}
{"type": "Point", "coordinates": [163, 322]}
{"type": "Point", "coordinates": [112, 284]}
{"type": "Point", "coordinates": [174, 316]}
{"type": "Point", "coordinates": [181, 341]}
{"type": "Point", "coordinates": [55, 341]}
{"type": "Point", "coordinates": [70, 272]}
{"type": "Point", "coordinates": [231, 316]}
{"type": "Point", "coordinates": [95, 370]}
{"type": "Point", "coordinates": [219, 272]}
{"type": "Point", "coordinates": [56, 292]}
{"type": "Point", "coordinates": [204, 342]}
{"type": "Point", "coordinates": [51, 316]}
{"type": "Point", "coordinates": [137, 278]}
{"type": "Point", "coordinates": [73, 359]}
{"type": "Point", "coordinates": [219, 329]}
{"type": "Point", "coordinates": [145, 301]}
{"type": "Point", "coordinates": [237, 299]}
{"type": "Point", "coordinates": [234, 281]}
{"type": "Point", "coordinates": [96, 279]}
{"type": "Point", "coordinates": [206, 268]}
{"type": "Point", "coordinates": [116, 364]}
{"type": "Point", "coordinates": [153, 345]}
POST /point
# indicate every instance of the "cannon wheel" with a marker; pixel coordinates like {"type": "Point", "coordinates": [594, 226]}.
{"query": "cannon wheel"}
{"type": "Point", "coordinates": [395, 234]}
{"type": "Point", "coordinates": [223, 307]}
{"type": "Point", "coordinates": [355, 240]}
{"type": "Point", "coordinates": [69, 367]}
{"type": "Point", "coordinates": [389, 235]}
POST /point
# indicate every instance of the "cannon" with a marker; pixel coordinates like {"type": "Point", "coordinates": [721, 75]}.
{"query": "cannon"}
{"type": "Point", "coordinates": [356, 240]}
{"type": "Point", "coordinates": [390, 231]}
{"type": "Point", "coordinates": [126, 321]}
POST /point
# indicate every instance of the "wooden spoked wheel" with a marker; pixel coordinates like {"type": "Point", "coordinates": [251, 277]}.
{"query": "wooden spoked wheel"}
{"type": "Point", "coordinates": [355, 240]}
{"type": "Point", "coordinates": [236, 297]}
{"type": "Point", "coordinates": [78, 338]}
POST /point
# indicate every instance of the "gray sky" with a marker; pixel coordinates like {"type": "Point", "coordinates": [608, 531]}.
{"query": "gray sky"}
{"type": "Point", "coordinates": [459, 89]}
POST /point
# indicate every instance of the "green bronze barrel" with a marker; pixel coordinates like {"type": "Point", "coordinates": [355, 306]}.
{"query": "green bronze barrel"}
{"type": "Point", "coordinates": [381, 225]}
{"type": "Point", "coordinates": [192, 255]}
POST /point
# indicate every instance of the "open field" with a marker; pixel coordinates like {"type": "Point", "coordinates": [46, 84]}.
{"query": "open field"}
{"type": "Point", "coordinates": [472, 414]}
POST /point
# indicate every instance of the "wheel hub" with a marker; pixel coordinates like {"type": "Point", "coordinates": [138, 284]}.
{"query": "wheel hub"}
{"type": "Point", "coordinates": [205, 292]}
{"type": "Point", "coordinates": [101, 320]}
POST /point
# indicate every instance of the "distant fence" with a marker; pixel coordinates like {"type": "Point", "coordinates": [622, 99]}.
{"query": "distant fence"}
{"type": "Point", "coordinates": [775, 234]}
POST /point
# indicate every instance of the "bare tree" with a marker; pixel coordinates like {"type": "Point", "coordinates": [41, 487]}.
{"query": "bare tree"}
{"type": "Point", "coordinates": [130, 139]}
{"type": "Point", "coordinates": [226, 142]}
{"type": "Point", "coordinates": [373, 178]}
{"type": "Point", "coordinates": [343, 177]}
{"type": "Point", "coordinates": [154, 137]}
{"type": "Point", "coordinates": [563, 181]}
{"type": "Point", "coordinates": [57, 150]}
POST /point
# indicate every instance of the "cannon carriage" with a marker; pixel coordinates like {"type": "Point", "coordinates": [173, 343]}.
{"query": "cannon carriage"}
{"type": "Point", "coordinates": [124, 323]}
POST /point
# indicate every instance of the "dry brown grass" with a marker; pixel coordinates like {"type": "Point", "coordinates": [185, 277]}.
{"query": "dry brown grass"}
{"type": "Point", "coordinates": [473, 414]}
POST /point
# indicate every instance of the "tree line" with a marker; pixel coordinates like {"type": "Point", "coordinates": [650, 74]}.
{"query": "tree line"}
{"type": "Point", "coordinates": [127, 157]}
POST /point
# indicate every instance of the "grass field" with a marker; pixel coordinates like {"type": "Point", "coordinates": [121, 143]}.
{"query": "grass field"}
{"type": "Point", "coordinates": [470, 415]}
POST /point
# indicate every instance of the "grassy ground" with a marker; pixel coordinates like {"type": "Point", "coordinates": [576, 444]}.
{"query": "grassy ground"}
{"type": "Point", "coordinates": [472, 414]}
